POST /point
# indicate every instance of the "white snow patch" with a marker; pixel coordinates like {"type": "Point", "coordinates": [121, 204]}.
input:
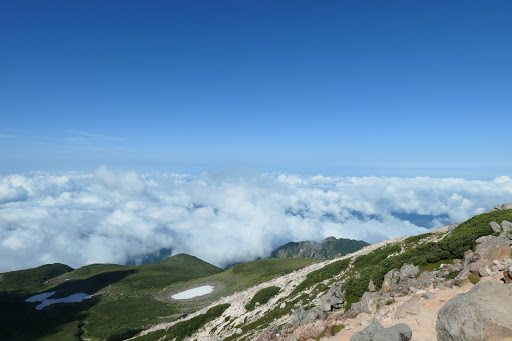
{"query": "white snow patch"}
{"type": "Point", "coordinates": [45, 301]}
{"type": "Point", "coordinates": [190, 293]}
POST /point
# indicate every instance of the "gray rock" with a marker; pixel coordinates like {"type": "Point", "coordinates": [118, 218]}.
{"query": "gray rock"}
{"type": "Point", "coordinates": [507, 206]}
{"type": "Point", "coordinates": [483, 313]}
{"type": "Point", "coordinates": [494, 268]}
{"type": "Point", "coordinates": [408, 271]}
{"type": "Point", "coordinates": [508, 260]}
{"type": "Point", "coordinates": [367, 333]}
{"type": "Point", "coordinates": [367, 304]}
{"type": "Point", "coordinates": [482, 272]}
{"type": "Point", "coordinates": [302, 317]}
{"type": "Point", "coordinates": [483, 239]}
{"type": "Point", "coordinates": [468, 257]}
{"type": "Point", "coordinates": [376, 332]}
{"type": "Point", "coordinates": [398, 332]}
{"type": "Point", "coordinates": [390, 281]}
{"type": "Point", "coordinates": [282, 305]}
{"type": "Point", "coordinates": [428, 295]}
{"type": "Point", "coordinates": [424, 279]}
{"type": "Point", "coordinates": [493, 248]}
{"type": "Point", "coordinates": [509, 269]}
{"type": "Point", "coordinates": [506, 225]}
{"type": "Point", "coordinates": [371, 286]}
{"type": "Point", "coordinates": [238, 331]}
{"type": "Point", "coordinates": [495, 226]}
{"type": "Point", "coordinates": [333, 299]}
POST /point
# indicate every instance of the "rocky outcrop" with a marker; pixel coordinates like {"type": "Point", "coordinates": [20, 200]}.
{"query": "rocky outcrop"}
{"type": "Point", "coordinates": [493, 248]}
{"type": "Point", "coordinates": [376, 332]}
{"type": "Point", "coordinates": [390, 281]}
{"type": "Point", "coordinates": [327, 249]}
{"type": "Point", "coordinates": [408, 271]}
{"type": "Point", "coordinates": [302, 317]}
{"type": "Point", "coordinates": [367, 304]}
{"type": "Point", "coordinates": [506, 225]}
{"type": "Point", "coordinates": [333, 299]}
{"type": "Point", "coordinates": [507, 206]}
{"type": "Point", "coordinates": [483, 313]}
{"type": "Point", "coordinates": [495, 226]}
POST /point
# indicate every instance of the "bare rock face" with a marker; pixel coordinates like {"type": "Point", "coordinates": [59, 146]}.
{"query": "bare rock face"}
{"type": "Point", "coordinates": [483, 313]}
{"type": "Point", "coordinates": [376, 332]}
{"type": "Point", "coordinates": [493, 248]}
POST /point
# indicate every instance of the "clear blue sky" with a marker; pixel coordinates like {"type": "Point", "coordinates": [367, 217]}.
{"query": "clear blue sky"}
{"type": "Point", "coordinates": [312, 86]}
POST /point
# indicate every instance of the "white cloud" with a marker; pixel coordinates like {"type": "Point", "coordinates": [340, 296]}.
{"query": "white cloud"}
{"type": "Point", "coordinates": [108, 216]}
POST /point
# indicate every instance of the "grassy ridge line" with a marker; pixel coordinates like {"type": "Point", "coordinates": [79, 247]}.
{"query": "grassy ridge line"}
{"type": "Point", "coordinates": [32, 279]}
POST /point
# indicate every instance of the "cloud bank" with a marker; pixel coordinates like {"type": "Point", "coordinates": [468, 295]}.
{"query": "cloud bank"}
{"type": "Point", "coordinates": [110, 217]}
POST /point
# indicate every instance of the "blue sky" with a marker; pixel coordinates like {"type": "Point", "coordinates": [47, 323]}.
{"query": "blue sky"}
{"type": "Point", "coordinates": [296, 86]}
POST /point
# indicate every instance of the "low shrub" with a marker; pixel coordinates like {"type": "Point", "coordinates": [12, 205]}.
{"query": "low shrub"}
{"type": "Point", "coordinates": [474, 278]}
{"type": "Point", "coordinates": [417, 238]}
{"type": "Point", "coordinates": [336, 329]}
{"type": "Point", "coordinates": [262, 296]}
{"type": "Point", "coordinates": [183, 329]}
{"type": "Point", "coordinates": [317, 276]}
{"type": "Point", "coordinates": [453, 274]}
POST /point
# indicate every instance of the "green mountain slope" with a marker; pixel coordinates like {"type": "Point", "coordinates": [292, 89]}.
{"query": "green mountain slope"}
{"type": "Point", "coordinates": [126, 299]}
{"type": "Point", "coordinates": [329, 248]}
{"type": "Point", "coordinates": [122, 303]}
{"type": "Point", "coordinates": [32, 279]}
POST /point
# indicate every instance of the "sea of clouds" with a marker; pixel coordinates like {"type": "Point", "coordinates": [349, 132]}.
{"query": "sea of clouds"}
{"type": "Point", "coordinates": [107, 216]}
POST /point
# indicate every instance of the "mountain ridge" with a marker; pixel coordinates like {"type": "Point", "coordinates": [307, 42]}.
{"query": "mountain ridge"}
{"type": "Point", "coordinates": [329, 248]}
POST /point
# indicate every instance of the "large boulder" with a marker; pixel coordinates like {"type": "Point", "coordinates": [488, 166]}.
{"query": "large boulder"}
{"type": "Point", "coordinates": [376, 332]}
{"type": "Point", "coordinates": [483, 313]}
{"type": "Point", "coordinates": [506, 225]}
{"type": "Point", "coordinates": [408, 271]}
{"type": "Point", "coordinates": [302, 317]}
{"type": "Point", "coordinates": [333, 299]}
{"type": "Point", "coordinates": [493, 248]}
{"type": "Point", "coordinates": [367, 304]}
{"type": "Point", "coordinates": [390, 281]}
{"type": "Point", "coordinates": [495, 226]}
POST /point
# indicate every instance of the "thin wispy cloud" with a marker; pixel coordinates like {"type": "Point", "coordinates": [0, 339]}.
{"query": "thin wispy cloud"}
{"type": "Point", "coordinates": [96, 136]}
{"type": "Point", "coordinates": [109, 216]}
